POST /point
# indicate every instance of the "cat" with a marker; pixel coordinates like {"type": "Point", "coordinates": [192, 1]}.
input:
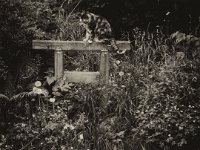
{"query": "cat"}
{"type": "Point", "coordinates": [97, 29]}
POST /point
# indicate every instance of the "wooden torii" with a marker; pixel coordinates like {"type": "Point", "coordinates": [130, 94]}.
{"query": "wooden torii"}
{"type": "Point", "coordinates": [59, 47]}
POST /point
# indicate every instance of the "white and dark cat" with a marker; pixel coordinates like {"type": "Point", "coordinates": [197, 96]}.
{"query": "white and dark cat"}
{"type": "Point", "coordinates": [97, 29]}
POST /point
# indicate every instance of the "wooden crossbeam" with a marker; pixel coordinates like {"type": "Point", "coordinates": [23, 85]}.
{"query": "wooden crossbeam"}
{"type": "Point", "coordinates": [76, 45]}
{"type": "Point", "coordinates": [81, 76]}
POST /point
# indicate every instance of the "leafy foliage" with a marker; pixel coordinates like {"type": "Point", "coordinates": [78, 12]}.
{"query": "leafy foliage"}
{"type": "Point", "coordinates": [29, 72]}
{"type": "Point", "coordinates": [3, 69]}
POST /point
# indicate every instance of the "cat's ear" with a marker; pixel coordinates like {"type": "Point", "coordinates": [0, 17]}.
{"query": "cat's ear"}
{"type": "Point", "coordinates": [82, 12]}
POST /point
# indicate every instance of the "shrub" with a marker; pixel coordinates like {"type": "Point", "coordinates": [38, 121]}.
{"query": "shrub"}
{"type": "Point", "coordinates": [167, 114]}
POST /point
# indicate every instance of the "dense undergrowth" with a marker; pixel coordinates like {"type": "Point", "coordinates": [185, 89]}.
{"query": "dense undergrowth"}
{"type": "Point", "coordinates": [151, 101]}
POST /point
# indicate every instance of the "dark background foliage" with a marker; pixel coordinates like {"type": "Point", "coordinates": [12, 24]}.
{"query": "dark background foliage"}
{"type": "Point", "coordinates": [126, 14]}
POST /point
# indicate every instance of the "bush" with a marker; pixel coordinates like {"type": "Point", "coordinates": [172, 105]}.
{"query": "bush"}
{"type": "Point", "coordinates": [168, 110]}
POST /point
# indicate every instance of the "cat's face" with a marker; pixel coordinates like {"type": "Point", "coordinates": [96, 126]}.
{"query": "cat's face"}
{"type": "Point", "coordinates": [84, 18]}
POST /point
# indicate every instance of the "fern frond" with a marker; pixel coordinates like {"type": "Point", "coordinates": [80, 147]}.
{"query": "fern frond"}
{"type": "Point", "coordinates": [23, 95]}
{"type": "Point", "coordinates": [3, 97]}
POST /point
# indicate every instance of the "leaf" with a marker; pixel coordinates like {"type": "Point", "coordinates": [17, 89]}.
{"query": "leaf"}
{"type": "Point", "coordinates": [120, 134]}
{"type": "Point", "coordinates": [4, 97]}
{"type": "Point", "coordinates": [50, 80]}
{"type": "Point", "coordinates": [66, 87]}
{"type": "Point", "coordinates": [23, 95]}
{"type": "Point", "coordinates": [51, 125]}
{"type": "Point", "coordinates": [183, 141]}
{"type": "Point", "coordinates": [57, 94]}
{"type": "Point", "coordinates": [61, 82]}
{"type": "Point", "coordinates": [55, 88]}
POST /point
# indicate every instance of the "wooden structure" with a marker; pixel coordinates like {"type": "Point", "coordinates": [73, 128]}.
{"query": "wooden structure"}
{"type": "Point", "coordinates": [59, 47]}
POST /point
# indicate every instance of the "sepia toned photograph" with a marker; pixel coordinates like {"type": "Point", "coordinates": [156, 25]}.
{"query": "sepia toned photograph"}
{"type": "Point", "coordinates": [99, 75]}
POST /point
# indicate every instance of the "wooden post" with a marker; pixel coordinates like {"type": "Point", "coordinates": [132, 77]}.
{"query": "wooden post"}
{"type": "Point", "coordinates": [104, 66]}
{"type": "Point", "coordinates": [58, 62]}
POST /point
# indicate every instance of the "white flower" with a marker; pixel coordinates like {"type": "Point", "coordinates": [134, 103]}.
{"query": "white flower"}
{"type": "Point", "coordinates": [71, 127]}
{"type": "Point", "coordinates": [180, 128]}
{"type": "Point", "coordinates": [52, 100]}
{"type": "Point", "coordinates": [34, 89]}
{"type": "Point", "coordinates": [81, 136]}
{"type": "Point", "coordinates": [117, 62]}
{"type": "Point", "coordinates": [66, 126]}
{"type": "Point", "coordinates": [37, 90]}
{"type": "Point", "coordinates": [121, 73]}
{"type": "Point", "coordinates": [38, 83]}
{"type": "Point", "coordinates": [123, 86]}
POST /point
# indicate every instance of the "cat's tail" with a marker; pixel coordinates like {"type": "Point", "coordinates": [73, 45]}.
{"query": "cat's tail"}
{"type": "Point", "coordinates": [112, 43]}
{"type": "Point", "coordinates": [115, 47]}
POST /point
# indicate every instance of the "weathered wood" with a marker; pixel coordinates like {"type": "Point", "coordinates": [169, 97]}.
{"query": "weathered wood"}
{"type": "Point", "coordinates": [82, 77]}
{"type": "Point", "coordinates": [58, 63]}
{"type": "Point", "coordinates": [76, 45]}
{"type": "Point", "coordinates": [73, 76]}
{"type": "Point", "coordinates": [104, 66]}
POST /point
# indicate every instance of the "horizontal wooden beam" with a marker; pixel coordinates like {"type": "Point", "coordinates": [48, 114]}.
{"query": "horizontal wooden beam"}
{"type": "Point", "coordinates": [76, 45]}
{"type": "Point", "coordinates": [82, 77]}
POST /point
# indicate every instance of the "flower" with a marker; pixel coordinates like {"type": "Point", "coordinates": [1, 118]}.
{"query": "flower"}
{"type": "Point", "coordinates": [71, 127]}
{"type": "Point", "coordinates": [23, 125]}
{"type": "Point", "coordinates": [52, 100]}
{"type": "Point", "coordinates": [121, 73]}
{"type": "Point", "coordinates": [37, 90]}
{"type": "Point", "coordinates": [180, 128]}
{"type": "Point", "coordinates": [81, 136]}
{"type": "Point", "coordinates": [34, 89]}
{"type": "Point", "coordinates": [38, 83]}
{"type": "Point", "coordinates": [117, 62]}
{"type": "Point", "coordinates": [123, 86]}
